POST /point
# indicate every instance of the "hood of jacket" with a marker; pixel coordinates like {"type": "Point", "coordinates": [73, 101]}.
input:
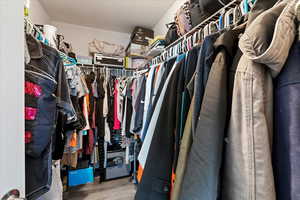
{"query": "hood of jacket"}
{"type": "Point", "coordinates": [229, 40]}
{"type": "Point", "coordinates": [269, 37]}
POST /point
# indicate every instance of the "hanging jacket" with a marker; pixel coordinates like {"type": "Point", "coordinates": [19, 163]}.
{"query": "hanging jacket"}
{"type": "Point", "coordinates": [248, 173]}
{"type": "Point", "coordinates": [206, 151]}
{"type": "Point", "coordinates": [156, 179]}
{"type": "Point", "coordinates": [286, 144]}
{"type": "Point", "coordinates": [46, 94]}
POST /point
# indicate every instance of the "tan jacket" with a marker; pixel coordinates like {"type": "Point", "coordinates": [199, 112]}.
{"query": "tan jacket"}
{"type": "Point", "coordinates": [248, 173]}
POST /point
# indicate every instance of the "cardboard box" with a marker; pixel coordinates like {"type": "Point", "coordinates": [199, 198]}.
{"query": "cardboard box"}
{"type": "Point", "coordinates": [143, 32]}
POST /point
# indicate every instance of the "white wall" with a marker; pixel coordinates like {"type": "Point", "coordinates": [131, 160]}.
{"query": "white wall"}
{"type": "Point", "coordinates": [12, 146]}
{"type": "Point", "coordinates": [80, 36]}
{"type": "Point", "coordinates": [160, 27]}
{"type": "Point", "coordinates": [37, 13]}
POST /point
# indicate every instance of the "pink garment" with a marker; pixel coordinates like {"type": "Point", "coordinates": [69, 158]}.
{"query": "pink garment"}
{"type": "Point", "coordinates": [30, 113]}
{"type": "Point", "coordinates": [33, 89]}
{"type": "Point", "coordinates": [117, 123]}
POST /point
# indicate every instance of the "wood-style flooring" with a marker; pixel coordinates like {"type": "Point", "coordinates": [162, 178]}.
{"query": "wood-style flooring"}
{"type": "Point", "coordinates": [120, 189]}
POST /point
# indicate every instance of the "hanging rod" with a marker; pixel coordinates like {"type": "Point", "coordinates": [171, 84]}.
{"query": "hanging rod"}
{"type": "Point", "coordinates": [106, 66]}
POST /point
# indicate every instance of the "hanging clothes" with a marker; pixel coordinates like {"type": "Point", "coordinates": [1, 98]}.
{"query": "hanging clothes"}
{"type": "Point", "coordinates": [206, 150]}
{"type": "Point", "coordinates": [251, 123]}
{"type": "Point", "coordinates": [161, 144]}
{"type": "Point", "coordinates": [44, 76]}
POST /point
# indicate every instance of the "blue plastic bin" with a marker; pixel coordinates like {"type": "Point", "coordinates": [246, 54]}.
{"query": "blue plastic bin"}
{"type": "Point", "coordinates": [81, 176]}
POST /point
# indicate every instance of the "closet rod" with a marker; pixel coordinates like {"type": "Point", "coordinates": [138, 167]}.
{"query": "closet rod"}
{"type": "Point", "coordinates": [106, 66]}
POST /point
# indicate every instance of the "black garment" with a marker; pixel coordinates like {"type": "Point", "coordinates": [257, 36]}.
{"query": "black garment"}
{"type": "Point", "coordinates": [139, 106]}
{"type": "Point", "coordinates": [80, 123]}
{"type": "Point", "coordinates": [179, 118]}
{"type": "Point", "coordinates": [101, 158]}
{"type": "Point", "coordinates": [46, 71]}
{"type": "Point", "coordinates": [156, 180]}
{"type": "Point", "coordinates": [100, 120]}
{"type": "Point", "coordinates": [286, 152]}
{"type": "Point", "coordinates": [168, 66]}
{"type": "Point", "coordinates": [58, 138]}
{"type": "Point", "coordinates": [129, 111]}
{"type": "Point", "coordinates": [110, 115]}
{"type": "Point", "coordinates": [183, 99]}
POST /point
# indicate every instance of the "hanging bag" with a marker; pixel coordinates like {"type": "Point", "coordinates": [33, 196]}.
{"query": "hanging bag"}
{"type": "Point", "coordinates": [171, 35]}
{"type": "Point", "coordinates": [193, 12]}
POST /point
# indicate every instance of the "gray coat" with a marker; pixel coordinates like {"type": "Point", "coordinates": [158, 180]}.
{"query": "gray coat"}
{"type": "Point", "coordinates": [248, 173]}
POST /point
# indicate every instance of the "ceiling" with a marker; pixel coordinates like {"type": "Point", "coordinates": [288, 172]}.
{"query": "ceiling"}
{"type": "Point", "coordinates": [115, 15]}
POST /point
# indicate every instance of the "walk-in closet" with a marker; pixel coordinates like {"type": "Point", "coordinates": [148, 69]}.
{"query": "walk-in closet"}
{"type": "Point", "coordinates": [149, 100]}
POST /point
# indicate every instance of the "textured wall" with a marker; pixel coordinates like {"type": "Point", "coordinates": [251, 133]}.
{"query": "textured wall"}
{"type": "Point", "coordinates": [160, 28]}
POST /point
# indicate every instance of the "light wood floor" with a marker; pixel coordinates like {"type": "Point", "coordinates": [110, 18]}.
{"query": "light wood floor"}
{"type": "Point", "coordinates": [120, 189]}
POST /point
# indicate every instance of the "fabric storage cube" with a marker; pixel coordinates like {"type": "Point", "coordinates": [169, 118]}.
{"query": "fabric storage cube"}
{"type": "Point", "coordinates": [81, 176]}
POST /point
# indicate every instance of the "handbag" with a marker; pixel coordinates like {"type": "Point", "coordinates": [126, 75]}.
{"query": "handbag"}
{"type": "Point", "coordinates": [209, 7]}
{"type": "Point", "coordinates": [171, 35]}
{"type": "Point", "coordinates": [193, 12]}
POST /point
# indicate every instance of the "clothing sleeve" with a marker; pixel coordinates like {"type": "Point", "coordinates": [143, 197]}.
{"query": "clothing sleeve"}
{"type": "Point", "coordinates": [64, 102]}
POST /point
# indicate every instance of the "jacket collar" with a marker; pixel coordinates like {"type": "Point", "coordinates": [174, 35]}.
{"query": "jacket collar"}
{"type": "Point", "coordinates": [259, 7]}
{"type": "Point", "coordinates": [268, 39]}
{"type": "Point", "coordinates": [229, 40]}
{"type": "Point", "coordinates": [34, 47]}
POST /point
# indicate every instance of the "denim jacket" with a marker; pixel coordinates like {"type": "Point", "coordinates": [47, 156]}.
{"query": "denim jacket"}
{"type": "Point", "coordinates": [46, 93]}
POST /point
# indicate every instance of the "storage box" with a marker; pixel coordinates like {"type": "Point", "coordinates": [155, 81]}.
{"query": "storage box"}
{"type": "Point", "coordinates": [137, 50]}
{"type": "Point", "coordinates": [141, 36]}
{"type": "Point", "coordinates": [116, 166]}
{"type": "Point", "coordinates": [142, 33]}
{"type": "Point", "coordinates": [81, 176]}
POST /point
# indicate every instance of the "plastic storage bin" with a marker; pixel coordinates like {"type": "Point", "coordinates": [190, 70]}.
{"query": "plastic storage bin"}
{"type": "Point", "coordinates": [81, 176]}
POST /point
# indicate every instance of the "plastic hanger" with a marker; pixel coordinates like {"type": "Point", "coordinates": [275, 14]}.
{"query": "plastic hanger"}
{"type": "Point", "coordinates": [213, 27]}
{"type": "Point", "coordinates": [221, 20]}
{"type": "Point", "coordinates": [206, 30]}
{"type": "Point", "coordinates": [237, 14]}
{"type": "Point", "coordinates": [229, 17]}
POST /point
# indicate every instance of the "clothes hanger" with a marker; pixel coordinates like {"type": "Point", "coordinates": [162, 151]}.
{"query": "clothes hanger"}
{"type": "Point", "coordinates": [237, 14]}
{"type": "Point", "coordinates": [221, 20]}
{"type": "Point", "coordinates": [229, 18]}
{"type": "Point", "coordinates": [195, 38]}
{"type": "Point", "coordinates": [206, 30]}
{"type": "Point", "coordinates": [213, 27]}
